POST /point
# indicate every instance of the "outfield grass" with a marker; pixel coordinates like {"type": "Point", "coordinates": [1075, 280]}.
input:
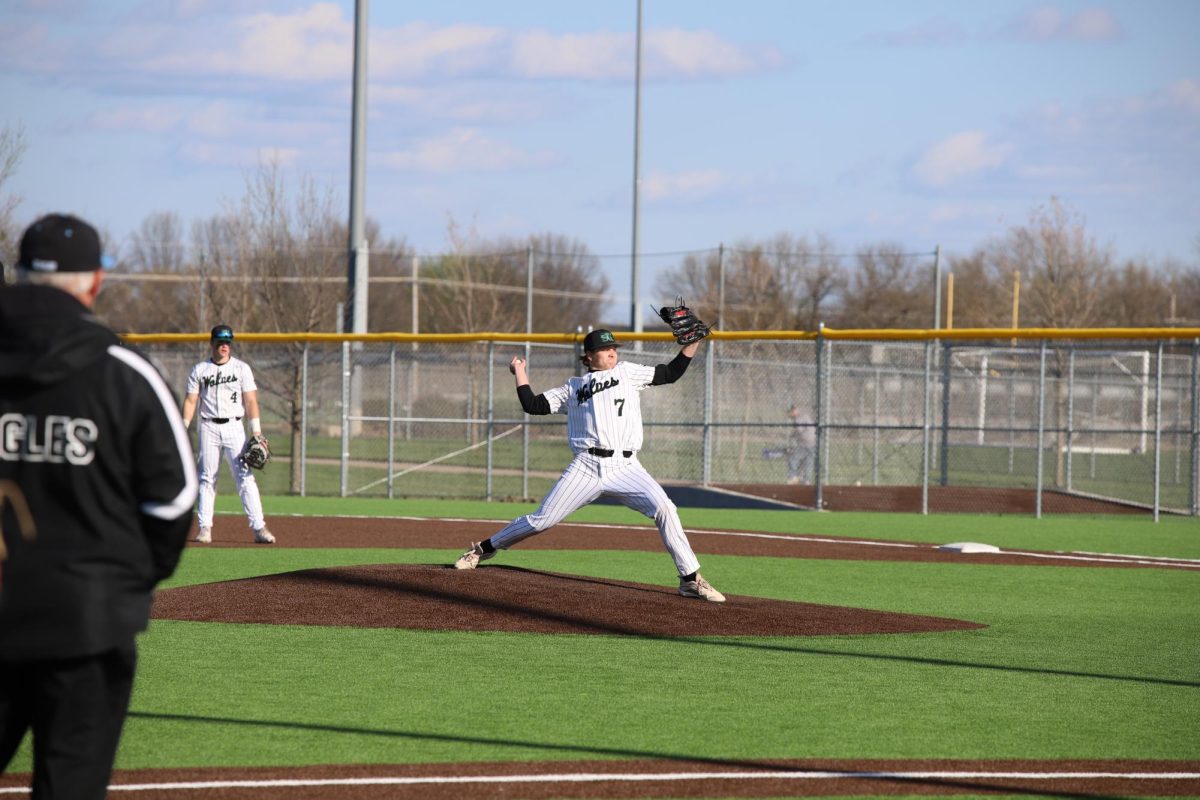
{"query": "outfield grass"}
{"type": "Point", "coordinates": [1074, 663]}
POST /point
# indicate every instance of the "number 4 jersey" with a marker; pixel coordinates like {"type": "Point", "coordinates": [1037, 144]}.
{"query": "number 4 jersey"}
{"type": "Point", "coordinates": [221, 388]}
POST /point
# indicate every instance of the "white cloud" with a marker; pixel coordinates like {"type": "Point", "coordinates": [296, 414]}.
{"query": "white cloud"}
{"type": "Point", "coordinates": [960, 156]}
{"type": "Point", "coordinates": [590, 56]}
{"type": "Point", "coordinates": [218, 120]}
{"type": "Point", "coordinates": [1093, 25]}
{"type": "Point", "coordinates": [933, 32]}
{"type": "Point", "coordinates": [156, 119]}
{"type": "Point", "coordinates": [223, 155]}
{"type": "Point", "coordinates": [464, 104]}
{"type": "Point", "coordinates": [689, 185]}
{"type": "Point", "coordinates": [419, 49]}
{"type": "Point", "coordinates": [1049, 23]}
{"type": "Point", "coordinates": [315, 43]}
{"type": "Point", "coordinates": [464, 150]}
{"type": "Point", "coordinates": [950, 213]}
{"type": "Point", "coordinates": [1185, 94]}
{"type": "Point", "coordinates": [700, 54]}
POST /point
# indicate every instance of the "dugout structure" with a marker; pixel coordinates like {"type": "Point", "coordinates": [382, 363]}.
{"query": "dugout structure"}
{"type": "Point", "coordinates": [1110, 413]}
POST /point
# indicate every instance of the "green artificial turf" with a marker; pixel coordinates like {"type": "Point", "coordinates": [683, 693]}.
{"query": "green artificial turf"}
{"type": "Point", "coordinates": [1073, 663]}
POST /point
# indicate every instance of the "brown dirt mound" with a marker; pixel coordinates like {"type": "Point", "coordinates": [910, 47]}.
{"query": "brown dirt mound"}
{"type": "Point", "coordinates": [499, 598]}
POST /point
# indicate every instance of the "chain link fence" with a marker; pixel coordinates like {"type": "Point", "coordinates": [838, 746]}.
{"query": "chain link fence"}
{"type": "Point", "coordinates": [433, 416]}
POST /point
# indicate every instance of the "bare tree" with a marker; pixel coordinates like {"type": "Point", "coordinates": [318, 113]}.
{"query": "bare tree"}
{"type": "Point", "coordinates": [1136, 295]}
{"type": "Point", "coordinates": [888, 289]}
{"type": "Point", "coordinates": [982, 296]}
{"type": "Point", "coordinates": [1185, 291]}
{"type": "Point", "coordinates": [161, 299]}
{"type": "Point", "coordinates": [1065, 271]}
{"type": "Point", "coordinates": [1060, 263]}
{"type": "Point", "coordinates": [572, 288]}
{"type": "Point", "coordinates": [389, 303]}
{"type": "Point", "coordinates": [481, 285]}
{"type": "Point", "coordinates": [785, 283]}
{"type": "Point", "coordinates": [463, 295]}
{"type": "Point", "coordinates": [12, 148]}
{"type": "Point", "coordinates": [266, 266]}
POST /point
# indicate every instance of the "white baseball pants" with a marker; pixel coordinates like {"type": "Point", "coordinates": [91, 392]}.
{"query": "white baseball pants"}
{"type": "Point", "coordinates": [228, 438]}
{"type": "Point", "coordinates": [584, 481]}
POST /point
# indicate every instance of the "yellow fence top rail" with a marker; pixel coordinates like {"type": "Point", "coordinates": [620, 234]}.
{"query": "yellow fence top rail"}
{"type": "Point", "coordinates": [851, 334]}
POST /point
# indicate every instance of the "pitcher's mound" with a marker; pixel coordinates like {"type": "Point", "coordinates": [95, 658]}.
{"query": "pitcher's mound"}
{"type": "Point", "coordinates": [501, 598]}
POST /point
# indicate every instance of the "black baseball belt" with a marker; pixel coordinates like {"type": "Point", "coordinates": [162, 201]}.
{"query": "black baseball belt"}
{"type": "Point", "coordinates": [222, 420]}
{"type": "Point", "coordinates": [602, 453]}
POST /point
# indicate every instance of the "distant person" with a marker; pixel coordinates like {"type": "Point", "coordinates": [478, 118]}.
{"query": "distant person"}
{"type": "Point", "coordinates": [801, 447]}
{"type": "Point", "coordinates": [604, 428]}
{"type": "Point", "coordinates": [223, 389]}
{"type": "Point", "coordinates": [97, 484]}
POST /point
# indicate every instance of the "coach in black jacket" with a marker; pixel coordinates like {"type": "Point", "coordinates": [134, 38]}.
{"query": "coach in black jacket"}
{"type": "Point", "coordinates": [97, 484]}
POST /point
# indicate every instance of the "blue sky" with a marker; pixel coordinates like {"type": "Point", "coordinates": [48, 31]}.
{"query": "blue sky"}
{"type": "Point", "coordinates": [916, 122]}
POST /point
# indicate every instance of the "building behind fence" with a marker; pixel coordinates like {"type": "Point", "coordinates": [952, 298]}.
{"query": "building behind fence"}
{"type": "Point", "coordinates": [1104, 413]}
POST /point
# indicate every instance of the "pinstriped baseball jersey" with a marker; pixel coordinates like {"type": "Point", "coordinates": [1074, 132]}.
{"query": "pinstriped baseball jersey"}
{"type": "Point", "coordinates": [221, 387]}
{"type": "Point", "coordinates": [603, 408]}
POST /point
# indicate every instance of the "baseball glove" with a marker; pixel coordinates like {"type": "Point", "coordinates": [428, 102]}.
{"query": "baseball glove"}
{"type": "Point", "coordinates": [686, 327]}
{"type": "Point", "coordinates": [256, 453]}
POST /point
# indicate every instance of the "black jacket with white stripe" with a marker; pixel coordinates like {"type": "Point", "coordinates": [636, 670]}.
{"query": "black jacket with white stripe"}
{"type": "Point", "coordinates": [97, 480]}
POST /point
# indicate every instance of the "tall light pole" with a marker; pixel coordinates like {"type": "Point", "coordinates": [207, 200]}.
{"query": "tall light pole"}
{"type": "Point", "coordinates": [356, 307]}
{"type": "Point", "coordinates": [355, 315]}
{"type": "Point", "coordinates": [635, 323]}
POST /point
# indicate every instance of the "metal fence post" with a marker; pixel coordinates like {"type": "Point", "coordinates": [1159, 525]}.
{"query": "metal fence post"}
{"type": "Point", "coordinates": [1158, 367]}
{"type": "Point", "coordinates": [528, 330]}
{"type": "Point", "coordinates": [1194, 472]}
{"type": "Point", "coordinates": [827, 404]}
{"type": "Point", "coordinates": [345, 466]}
{"type": "Point", "coordinates": [304, 420]}
{"type": "Point", "coordinates": [1041, 427]}
{"type": "Point", "coordinates": [944, 450]}
{"type": "Point", "coordinates": [926, 426]}
{"type": "Point", "coordinates": [1012, 414]}
{"type": "Point", "coordinates": [709, 372]}
{"type": "Point", "coordinates": [391, 431]}
{"type": "Point", "coordinates": [491, 412]}
{"type": "Point", "coordinates": [1070, 414]}
{"type": "Point", "coordinates": [875, 430]}
{"type": "Point", "coordinates": [819, 416]}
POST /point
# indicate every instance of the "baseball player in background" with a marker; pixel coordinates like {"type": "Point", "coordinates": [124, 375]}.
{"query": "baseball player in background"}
{"type": "Point", "coordinates": [604, 429]}
{"type": "Point", "coordinates": [223, 391]}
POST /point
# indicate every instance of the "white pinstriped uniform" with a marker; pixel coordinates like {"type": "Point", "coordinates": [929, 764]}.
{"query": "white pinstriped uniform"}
{"type": "Point", "coordinates": [220, 389]}
{"type": "Point", "coordinates": [604, 411]}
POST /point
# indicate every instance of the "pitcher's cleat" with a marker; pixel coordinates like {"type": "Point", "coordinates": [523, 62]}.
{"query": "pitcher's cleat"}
{"type": "Point", "coordinates": [471, 558]}
{"type": "Point", "coordinates": [701, 590]}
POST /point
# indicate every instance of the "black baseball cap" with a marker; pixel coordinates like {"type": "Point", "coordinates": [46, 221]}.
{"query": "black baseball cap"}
{"type": "Point", "coordinates": [599, 339]}
{"type": "Point", "coordinates": [62, 243]}
{"type": "Point", "coordinates": [222, 333]}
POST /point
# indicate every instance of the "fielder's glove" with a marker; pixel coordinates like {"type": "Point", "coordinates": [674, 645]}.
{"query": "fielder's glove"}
{"type": "Point", "coordinates": [256, 453]}
{"type": "Point", "coordinates": [686, 327]}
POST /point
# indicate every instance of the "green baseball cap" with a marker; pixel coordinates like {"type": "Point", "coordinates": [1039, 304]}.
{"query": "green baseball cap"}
{"type": "Point", "coordinates": [599, 339]}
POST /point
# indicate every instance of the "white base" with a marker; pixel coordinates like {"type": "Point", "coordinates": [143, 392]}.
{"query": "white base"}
{"type": "Point", "coordinates": [969, 547]}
